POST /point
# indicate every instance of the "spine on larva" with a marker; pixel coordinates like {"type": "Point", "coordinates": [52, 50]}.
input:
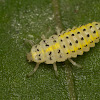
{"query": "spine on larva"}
{"type": "Point", "coordinates": [66, 45]}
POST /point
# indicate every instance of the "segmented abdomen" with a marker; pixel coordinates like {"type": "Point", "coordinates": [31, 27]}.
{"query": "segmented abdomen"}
{"type": "Point", "coordinates": [66, 45]}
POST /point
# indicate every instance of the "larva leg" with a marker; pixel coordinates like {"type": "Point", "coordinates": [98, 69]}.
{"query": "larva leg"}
{"type": "Point", "coordinates": [29, 41]}
{"type": "Point", "coordinates": [55, 68]}
{"type": "Point", "coordinates": [74, 63]}
{"type": "Point", "coordinates": [34, 70]}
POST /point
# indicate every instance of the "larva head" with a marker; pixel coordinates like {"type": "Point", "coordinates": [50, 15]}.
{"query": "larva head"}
{"type": "Point", "coordinates": [36, 54]}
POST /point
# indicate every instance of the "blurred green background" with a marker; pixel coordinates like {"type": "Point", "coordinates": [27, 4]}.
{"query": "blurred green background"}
{"type": "Point", "coordinates": [30, 19]}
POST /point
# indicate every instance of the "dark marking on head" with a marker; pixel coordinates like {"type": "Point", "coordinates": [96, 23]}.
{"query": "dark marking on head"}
{"type": "Point", "coordinates": [99, 28]}
{"type": "Point", "coordinates": [39, 54]}
{"type": "Point", "coordinates": [90, 26]}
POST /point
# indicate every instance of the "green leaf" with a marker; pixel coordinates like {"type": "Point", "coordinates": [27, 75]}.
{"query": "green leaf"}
{"type": "Point", "coordinates": [30, 19]}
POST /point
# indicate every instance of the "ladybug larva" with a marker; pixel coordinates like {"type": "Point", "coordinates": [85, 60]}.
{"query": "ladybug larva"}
{"type": "Point", "coordinates": [65, 45]}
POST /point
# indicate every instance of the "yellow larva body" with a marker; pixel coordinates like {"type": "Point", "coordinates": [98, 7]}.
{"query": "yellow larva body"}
{"type": "Point", "coordinates": [67, 45]}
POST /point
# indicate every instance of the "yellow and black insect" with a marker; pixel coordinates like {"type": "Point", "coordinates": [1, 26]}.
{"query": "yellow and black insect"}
{"type": "Point", "coordinates": [65, 45]}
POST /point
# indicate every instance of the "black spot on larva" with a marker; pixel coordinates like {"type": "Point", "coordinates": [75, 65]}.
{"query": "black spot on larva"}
{"type": "Point", "coordinates": [78, 32]}
{"type": "Point", "coordinates": [76, 41]}
{"type": "Point", "coordinates": [88, 35]}
{"type": "Point", "coordinates": [63, 46]}
{"type": "Point", "coordinates": [37, 49]}
{"type": "Point", "coordinates": [91, 42]}
{"type": "Point", "coordinates": [90, 26]}
{"type": "Point", "coordinates": [85, 46]}
{"type": "Point", "coordinates": [67, 37]}
{"type": "Point", "coordinates": [39, 54]}
{"type": "Point", "coordinates": [61, 40]}
{"type": "Point", "coordinates": [82, 38]}
{"type": "Point", "coordinates": [84, 29]}
{"type": "Point", "coordinates": [58, 51]}
{"type": "Point", "coordinates": [72, 34]}
{"type": "Point", "coordinates": [70, 44]}
{"type": "Point", "coordinates": [50, 58]}
{"type": "Point", "coordinates": [46, 45]}
{"type": "Point", "coordinates": [73, 51]}
{"type": "Point", "coordinates": [39, 59]}
{"type": "Point", "coordinates": [50, 53]}
{"type": "Point", "coordinates": [97, 37]}
{"type": "Point", "coordinates": [94, 32]}
{"type": "Point", "coordinates": [99, 29]}
{"type": "Point", "coordinates": [67, 53]}
{"type": "Point", "coordinates": [79, 48]}
{"type": "Point", "coordinates": [96, 24]}
{"type": "Point", "coordinates": [54, 41]}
